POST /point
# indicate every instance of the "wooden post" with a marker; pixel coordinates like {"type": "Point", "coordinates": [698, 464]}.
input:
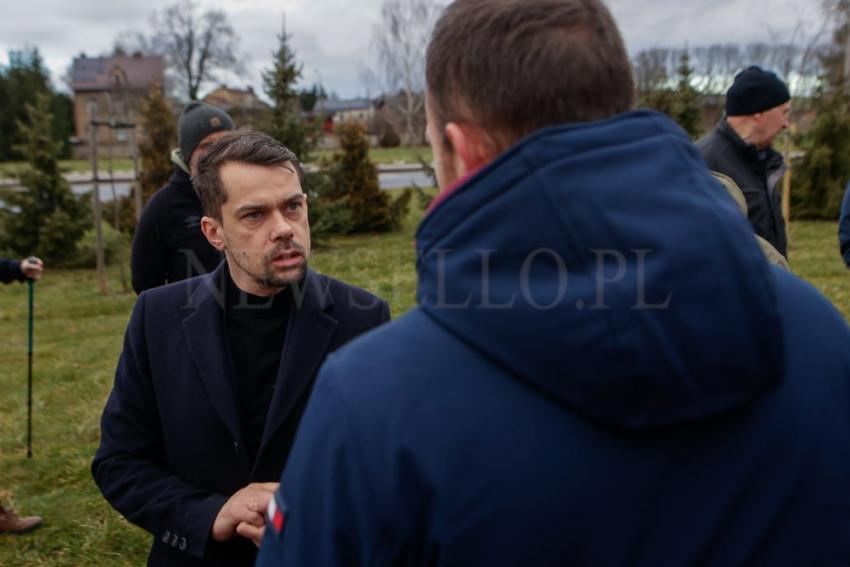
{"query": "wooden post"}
{"type": "Point", "coordinates": [116, 203]}
{"type": "Point", "coordinates": [101, 267]}
{"type": "Point", "coordinates": [847, 56]}
{"type": "Point", "coordinates": [786, 181]}
{"type": "Point", "coordinates": [137, 180]}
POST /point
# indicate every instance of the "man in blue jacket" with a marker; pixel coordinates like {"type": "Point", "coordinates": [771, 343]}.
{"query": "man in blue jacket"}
{"type": "Point", "coordinates": [602, 368]}
{"type": "Point", "coordinates": [216, 370]}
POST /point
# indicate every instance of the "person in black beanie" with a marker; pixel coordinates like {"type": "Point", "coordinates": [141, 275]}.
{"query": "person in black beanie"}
{"type": "Point", "coordinates": [758, 106]}
{"type": "Point", "coordinates": [168, 245]}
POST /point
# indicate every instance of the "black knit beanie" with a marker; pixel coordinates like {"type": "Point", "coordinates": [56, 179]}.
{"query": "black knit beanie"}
{"type": "Point", "coordinates": [198, 121]}
{"type": "Point", "coordinates": [755, 90]}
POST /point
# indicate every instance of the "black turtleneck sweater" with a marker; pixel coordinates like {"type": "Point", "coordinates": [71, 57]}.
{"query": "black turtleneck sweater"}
{"type": "Point", "coordinates": [168, 244]}
{"type": "Point", "coordinates": [256, 330]}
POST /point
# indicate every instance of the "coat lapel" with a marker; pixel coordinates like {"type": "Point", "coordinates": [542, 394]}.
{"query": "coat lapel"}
{"type": "Point", "coordinates": [308, 338]}
{"type": "Point", "coordinates": [204, 332]}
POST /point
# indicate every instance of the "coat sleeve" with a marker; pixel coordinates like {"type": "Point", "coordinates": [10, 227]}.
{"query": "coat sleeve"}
{"type": "Point", "coordinates": [129, 467]}
{"type": "Point", "coordinates": [148, 255]}
{"type": "Point", "coordinates": [331, 511]}
{"type": "Point", "coordinates": [10, 270]}
{"type": "Point", "coordinates": [384, 316]}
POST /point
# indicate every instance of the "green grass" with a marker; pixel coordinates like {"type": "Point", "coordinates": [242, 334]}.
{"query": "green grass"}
{"type": "Point", "coordinates": [814, 256]}
{"type": "Point", "coordinates": [13, 168]}
{"type": "Point", "coordinates": [78, 339]}
{"type": "Point", "coordinates": [381, 156]}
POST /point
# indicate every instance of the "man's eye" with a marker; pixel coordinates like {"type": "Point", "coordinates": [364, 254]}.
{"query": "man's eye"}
{"type": "Point", "coordinates": [253, 215]}
{"type": "Point", "coordinates": [294, 206]}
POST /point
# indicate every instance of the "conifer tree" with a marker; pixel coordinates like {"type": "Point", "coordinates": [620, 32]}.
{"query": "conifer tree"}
{"type": "Point", "coordinates": [160, 137]}
{"type": "Point", "coordinates": [819, 181]}
{"type": "Point", "coordinates": [685, 107]}
{"type": "Point", "coordinates": [286, 124]}
{"type": "Point", "coordinates": [355, 178]}
{"type": "Point", "coordinates": [44, 218]}
{"type": "Point", "coordinates": [21, 81]}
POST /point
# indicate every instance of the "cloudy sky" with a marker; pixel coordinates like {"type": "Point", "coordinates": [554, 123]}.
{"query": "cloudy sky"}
{"type": "Point", "coordinates": [333, 38]}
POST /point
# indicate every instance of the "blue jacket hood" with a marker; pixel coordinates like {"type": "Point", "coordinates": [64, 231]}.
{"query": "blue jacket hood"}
{"type": "Point", "coordinates": [602, 265]}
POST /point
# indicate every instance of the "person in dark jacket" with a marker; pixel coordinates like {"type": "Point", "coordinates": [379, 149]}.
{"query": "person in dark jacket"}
{"type": "Point", "coordinates": [758, 106]}
{"type": "Point", "coordinates": [844, 227]}
{"type": "Point", "coordinates": [216, 370]}
{"type": "Point", "coordinates": [14, 270]}
{"type": "Point", "coordinates": [168, 244]}
{"type": "Point", "coordinates": [602, 368]}
{"type": "Point", "coordinates": [20, 270]}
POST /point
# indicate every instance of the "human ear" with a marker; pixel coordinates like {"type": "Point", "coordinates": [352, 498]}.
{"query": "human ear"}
{"type": "Point", "coordinates": [471, 147]}
{"type": "Point", "coordinates": [212, 230]}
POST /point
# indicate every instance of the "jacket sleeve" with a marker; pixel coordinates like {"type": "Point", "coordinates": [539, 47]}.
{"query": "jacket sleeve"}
{"type": "Point", "coordinates": [148, 256]}
{"type": "Point", "coordinates": [331, 511]}
{"type": "Point", "coordinates": [10, 270]}
{"type": "Point", "coordinates": [844, 227]}
{"type": "Point", "coordinates": [129, 467]}
{"type": "Point", "coordinates": [384, 316]}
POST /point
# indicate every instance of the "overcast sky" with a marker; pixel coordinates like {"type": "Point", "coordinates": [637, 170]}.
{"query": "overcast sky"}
{"type": "Point", "coordinates": [332, 38]}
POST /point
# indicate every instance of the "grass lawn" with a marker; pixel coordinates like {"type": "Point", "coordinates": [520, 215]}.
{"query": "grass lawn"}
{"type": "Point", "coordinates": [383, 156]}
{"type": "Point", "coordinates": [814, 256]}
{"type": "Point", "coordinates": [78, 339]}
{"type": "Point", "coordinates": [379, 156]}
{"type": "Point", "coordinates": [12, 168]}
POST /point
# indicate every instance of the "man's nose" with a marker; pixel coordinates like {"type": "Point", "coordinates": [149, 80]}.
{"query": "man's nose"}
{"type": "Point", "coordinates": [280, 229]}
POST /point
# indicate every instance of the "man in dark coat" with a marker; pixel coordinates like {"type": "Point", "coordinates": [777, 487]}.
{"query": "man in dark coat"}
{"type": "Point", "coordinates": [216, 370]}
{"type": "Point", "coordinates": [758, 105]}
{"type": "Point", "coordinates": [168, 244]}
{"type": "Point", "coordinates": [602, 368]}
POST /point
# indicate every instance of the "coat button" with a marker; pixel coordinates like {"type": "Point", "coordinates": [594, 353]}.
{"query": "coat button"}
{"type": "Point", "coordinates": [236, 447]}
{"type": "Point", "coordinates": [183, 544]}
{"type": "Point", "coordinates": [173, 540]}
{"type": "Point", "coordinates": [166, 535]}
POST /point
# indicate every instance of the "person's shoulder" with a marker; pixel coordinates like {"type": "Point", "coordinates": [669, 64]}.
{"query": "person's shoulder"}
{"type": "Point", "coordinates": [410, 352]}
{"type": "Point", "coordinates": [174, 188]}
{"type": "Point", "coordinates": [174, 296]}
{"type": "Point", "coordinates": [710, 138]}
{"type": "Point", "coordinates": [810, 321]}
{"type": "Point", "coordinates": [378, 369]}
{"type": "Point", "coordinates": [713, 144]}
{"type": "Point", "coordinates": [157, 206]}
{"type": "Point", "coordinates": [347, 295]}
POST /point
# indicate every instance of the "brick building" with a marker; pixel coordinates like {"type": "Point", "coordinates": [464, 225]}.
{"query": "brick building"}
{"type": "Point", "coordinates": [116, 86]}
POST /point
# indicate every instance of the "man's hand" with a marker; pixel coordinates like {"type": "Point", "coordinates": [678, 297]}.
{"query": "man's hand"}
{"type": "Point", "coordinates": [253, 533]}
{"type": "Point", "coordinates": [248, 506]}
{"type": "Point", "coordinates": [32, 267]}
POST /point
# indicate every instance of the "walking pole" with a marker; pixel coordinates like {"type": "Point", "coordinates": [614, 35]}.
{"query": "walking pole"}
{"type": "Point", "coordinates": [31, 285]}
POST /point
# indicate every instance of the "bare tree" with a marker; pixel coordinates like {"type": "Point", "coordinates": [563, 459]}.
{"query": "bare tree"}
{"type": "Point", "coordinates": [197, 45]}
{"type": "Point", "coordinates": [796, 54]}
{"type": "Point", "coordinates": [652, 69]}
{"type": "Point", "coordinates": [401, 40]}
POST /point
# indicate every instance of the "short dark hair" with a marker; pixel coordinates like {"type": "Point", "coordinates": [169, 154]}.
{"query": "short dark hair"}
{"type": "Point", "coordinates": [242, 147]}
{"type": "Point", "coordinates": [511, 67]}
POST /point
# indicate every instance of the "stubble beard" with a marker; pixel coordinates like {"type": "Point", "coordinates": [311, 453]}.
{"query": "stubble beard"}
{"type": "Point", "coordinates": [268, 278]}
{"type": "Point", "coordinates": [292, 275]}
